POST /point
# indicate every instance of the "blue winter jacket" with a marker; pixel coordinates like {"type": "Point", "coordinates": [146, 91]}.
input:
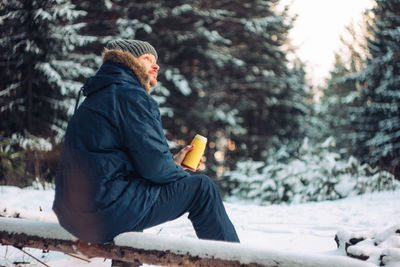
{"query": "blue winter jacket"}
{"type": "Point", "coordinates": [114, 157]}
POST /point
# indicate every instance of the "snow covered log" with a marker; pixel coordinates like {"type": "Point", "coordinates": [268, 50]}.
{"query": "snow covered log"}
{"type": "Point", "coordinates": [382, 247]}
{"type": "Point", "coordinates": [158, 250]}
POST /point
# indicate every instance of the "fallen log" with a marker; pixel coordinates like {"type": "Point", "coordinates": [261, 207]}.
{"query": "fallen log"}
{"type": "Point", "coordinates": [158, 250]}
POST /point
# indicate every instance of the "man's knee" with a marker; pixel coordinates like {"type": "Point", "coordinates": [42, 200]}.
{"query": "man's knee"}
{"type": "Point", "coordinates": [207, 184]}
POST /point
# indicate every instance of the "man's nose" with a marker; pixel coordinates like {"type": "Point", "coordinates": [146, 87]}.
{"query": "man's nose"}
{"type": "Point", "coordinates": [155, 67]}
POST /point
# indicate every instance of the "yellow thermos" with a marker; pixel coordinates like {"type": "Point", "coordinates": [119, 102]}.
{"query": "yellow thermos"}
{"type": "Point", "coordinates": [192, 158]}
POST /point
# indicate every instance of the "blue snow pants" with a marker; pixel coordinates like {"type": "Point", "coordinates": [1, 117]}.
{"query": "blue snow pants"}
{"type": "Point", "coordinates": [198, 195]}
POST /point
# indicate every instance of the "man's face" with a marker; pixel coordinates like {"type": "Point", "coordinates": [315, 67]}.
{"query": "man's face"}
{"type": "Point", "coordinates": [149, 63]}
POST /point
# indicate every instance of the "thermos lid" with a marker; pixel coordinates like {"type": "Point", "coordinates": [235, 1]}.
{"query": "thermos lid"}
{"type": "Point", "coordinates": [200, 137]}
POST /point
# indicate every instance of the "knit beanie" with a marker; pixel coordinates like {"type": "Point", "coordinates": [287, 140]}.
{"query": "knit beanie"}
{"type": "Point", "coordinates": [135, 47]}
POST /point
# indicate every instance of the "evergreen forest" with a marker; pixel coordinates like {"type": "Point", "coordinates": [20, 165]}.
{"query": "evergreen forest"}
{"type": "Point", "coordinates": [228, 71]}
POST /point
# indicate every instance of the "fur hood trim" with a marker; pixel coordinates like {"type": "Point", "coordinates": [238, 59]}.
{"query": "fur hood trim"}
{"type": "Point", "coordinates": [130, 61]}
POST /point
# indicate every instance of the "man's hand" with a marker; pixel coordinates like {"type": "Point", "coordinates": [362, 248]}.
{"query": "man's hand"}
{"type": "Point", "coordinates": [180, 156]}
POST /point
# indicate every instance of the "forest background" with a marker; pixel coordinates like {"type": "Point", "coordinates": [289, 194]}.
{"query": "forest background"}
{"type": "Point", "coordinates": [228, 71]}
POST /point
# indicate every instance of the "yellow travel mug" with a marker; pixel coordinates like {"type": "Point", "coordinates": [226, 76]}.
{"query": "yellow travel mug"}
{"type": "Point", "coordinates": [192, 158]}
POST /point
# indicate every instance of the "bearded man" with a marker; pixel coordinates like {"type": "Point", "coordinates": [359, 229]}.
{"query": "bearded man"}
{"type": "Point", "coordinates": [116, 173]}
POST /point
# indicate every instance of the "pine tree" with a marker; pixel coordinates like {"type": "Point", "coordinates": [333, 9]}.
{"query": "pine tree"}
{"type": "Point", "coordinates": [342, 93]}
{"type": "Point", "coordinates": [268, 95]}
{"type": "Point", "coordinates": [38, 80]}
{"type": "Point", "coordinates": [339, 96]}
{"type": "Point", "coordinates": [99, 26]}
{"type": "Point", "coordinates": [378, 127]}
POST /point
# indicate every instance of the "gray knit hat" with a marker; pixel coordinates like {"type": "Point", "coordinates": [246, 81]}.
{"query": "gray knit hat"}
{"type": "Point", "coordinates": [135, 47]}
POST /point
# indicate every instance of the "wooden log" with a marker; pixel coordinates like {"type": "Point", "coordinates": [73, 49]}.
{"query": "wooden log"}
{"type": "Point", "coordinates": [157, 250]}
{"type": "Point", "coordinates": [110, 251]}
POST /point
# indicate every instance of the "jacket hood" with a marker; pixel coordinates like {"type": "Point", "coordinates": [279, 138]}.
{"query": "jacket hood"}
{"type": "Point", "coordinates": [108, 74]}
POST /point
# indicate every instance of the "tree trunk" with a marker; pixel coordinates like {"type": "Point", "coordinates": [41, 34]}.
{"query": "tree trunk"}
{"type": "Point", "coordinates": [29, 98]}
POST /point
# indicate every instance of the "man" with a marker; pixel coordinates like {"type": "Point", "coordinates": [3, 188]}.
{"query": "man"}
{"type": "Point", "coordinates": [116, 173]}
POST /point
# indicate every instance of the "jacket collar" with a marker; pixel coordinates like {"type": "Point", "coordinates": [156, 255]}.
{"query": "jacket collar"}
{"type": "Point", "coordinates": [131, 62]}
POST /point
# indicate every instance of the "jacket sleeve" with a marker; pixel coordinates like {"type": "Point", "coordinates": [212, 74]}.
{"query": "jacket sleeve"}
{"type": "Point", "coordinates": [145, 141]}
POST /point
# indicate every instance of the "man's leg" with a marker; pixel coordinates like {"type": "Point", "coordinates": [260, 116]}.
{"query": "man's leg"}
{"type": "Point", "coordinates": [199, 196]}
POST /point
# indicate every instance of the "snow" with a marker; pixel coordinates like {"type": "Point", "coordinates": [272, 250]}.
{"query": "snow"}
{"type": "Point", "coordinates": [258, 25]}
{"type": "Point", "coordinates": [298, 232]}
{"type": "Point", "coordinates": [315, 174]}
{"type": "Point", "coordinates": [36, 228]}
{"type": "Point", "coordinates": [128, 28]}
{"type": "Point", "coordinates": [179, 10]}
{"type": "Point", "coordinates": [229, 251]}
{"type": "Point", "coordinates": [383, 246]}
{"type": "Point", "coordinates": [179, 81]}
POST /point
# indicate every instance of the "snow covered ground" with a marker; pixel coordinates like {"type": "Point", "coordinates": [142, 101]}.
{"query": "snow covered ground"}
{"type": "Point", "coordinates": [301, 228]}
